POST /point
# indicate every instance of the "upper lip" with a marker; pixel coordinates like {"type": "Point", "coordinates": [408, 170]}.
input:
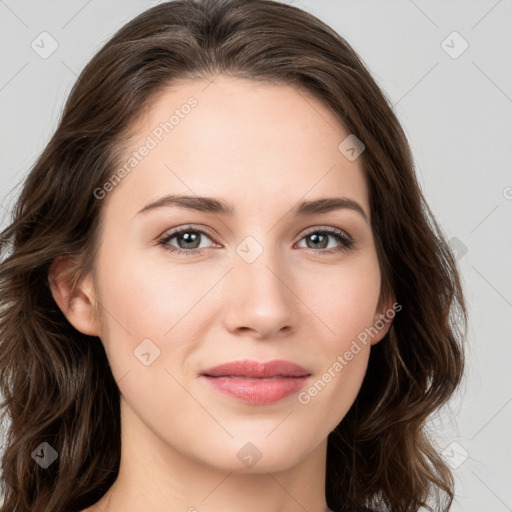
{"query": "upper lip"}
{"type": "Point", "coordinates": [257, 369]}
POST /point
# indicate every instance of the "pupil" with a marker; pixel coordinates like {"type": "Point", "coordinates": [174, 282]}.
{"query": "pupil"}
{"type": "Point", "coordinates": [316, 237]}
{"type": "Point", "coordinates": [189, 239]}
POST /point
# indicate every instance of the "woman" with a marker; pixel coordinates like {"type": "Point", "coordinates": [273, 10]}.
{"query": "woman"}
{"type": "Point", "coordinates": [222, 288]}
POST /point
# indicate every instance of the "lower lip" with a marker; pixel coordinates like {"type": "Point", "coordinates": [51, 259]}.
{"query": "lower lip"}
{"type": "Point", "coordinates": [257, 391]}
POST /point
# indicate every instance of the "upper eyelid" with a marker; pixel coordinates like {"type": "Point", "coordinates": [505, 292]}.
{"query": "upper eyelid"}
{"type": "Point", "coordinates": [328, 229]}
{"type": "Point", "coordinates": [176, 231]}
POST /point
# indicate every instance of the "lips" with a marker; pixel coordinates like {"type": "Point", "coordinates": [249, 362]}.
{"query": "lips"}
{"type": "Point", "coordinates": [257, 370]}
{"type": "Point", "coordinates": [256, 382]}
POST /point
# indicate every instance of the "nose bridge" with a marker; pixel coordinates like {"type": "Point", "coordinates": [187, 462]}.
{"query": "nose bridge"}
{"type": "Point", "coordinates": [259, 287]}
{"type": "Point", "coordinates": [259, 264]}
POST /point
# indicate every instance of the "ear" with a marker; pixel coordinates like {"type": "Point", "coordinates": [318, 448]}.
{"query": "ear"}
{"type": "Point", "coordinates": [75, 299]}
{"type": "Point", "coordinates": [385, 312]}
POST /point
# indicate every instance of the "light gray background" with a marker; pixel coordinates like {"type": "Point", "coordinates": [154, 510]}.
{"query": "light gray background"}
{"type": "Point", "coordinates": [457, 113]}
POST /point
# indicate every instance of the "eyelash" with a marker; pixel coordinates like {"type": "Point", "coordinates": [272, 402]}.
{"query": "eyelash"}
{"type": "Point", "coordinates": [345, 241]}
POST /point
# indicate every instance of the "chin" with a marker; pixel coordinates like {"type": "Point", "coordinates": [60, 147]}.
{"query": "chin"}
{"type": "Point", "coordinates": [257, 455]}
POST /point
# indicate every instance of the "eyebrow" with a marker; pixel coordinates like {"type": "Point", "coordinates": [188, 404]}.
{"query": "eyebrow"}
{"type": "Point", "coordinates": [218, 206]}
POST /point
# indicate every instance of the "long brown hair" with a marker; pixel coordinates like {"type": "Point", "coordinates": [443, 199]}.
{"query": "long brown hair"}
{"type": "Point", "coordinates": [56, 382]}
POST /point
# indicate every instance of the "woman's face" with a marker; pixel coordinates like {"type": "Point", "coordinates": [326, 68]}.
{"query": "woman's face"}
{"type": "Point", "coordinates": [261, 283]}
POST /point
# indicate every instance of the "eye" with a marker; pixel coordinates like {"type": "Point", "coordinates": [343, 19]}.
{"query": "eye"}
{"type": "Point", "coordinates": [188, 238]}
{"type": "Point", "coordinates": [319, 239]}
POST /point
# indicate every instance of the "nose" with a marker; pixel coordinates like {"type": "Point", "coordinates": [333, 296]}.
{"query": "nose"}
{"type": "Point", "coordinates": [261, 300]}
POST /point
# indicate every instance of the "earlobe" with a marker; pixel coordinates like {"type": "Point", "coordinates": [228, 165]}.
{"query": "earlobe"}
{"type": "Point", "coordinates": [75, 299]}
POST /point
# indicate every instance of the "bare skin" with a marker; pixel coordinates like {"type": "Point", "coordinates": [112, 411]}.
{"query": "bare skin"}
{"type": "Point", "coordinates": [263, 148]}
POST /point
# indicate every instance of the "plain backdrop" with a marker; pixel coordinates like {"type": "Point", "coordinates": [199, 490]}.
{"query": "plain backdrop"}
{"type": "Point", "coordinates": [447, 70]}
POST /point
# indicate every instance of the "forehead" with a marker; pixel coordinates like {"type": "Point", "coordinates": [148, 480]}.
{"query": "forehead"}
{"type": "Point", "coordinates": [260, 142]}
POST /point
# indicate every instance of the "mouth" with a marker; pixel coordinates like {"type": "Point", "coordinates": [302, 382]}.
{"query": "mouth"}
{"type": "Point", "coordinates": [256, 382]}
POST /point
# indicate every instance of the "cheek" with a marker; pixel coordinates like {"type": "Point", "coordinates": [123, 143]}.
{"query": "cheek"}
{"type": "Point", "coordinates": [344, 300]}
{"type": "Point", "coordinates": [347, 309]}
{"type": "Point", "coordinates": [149, 299]}
{"type": "Point", "coordinates": [148, 309]}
